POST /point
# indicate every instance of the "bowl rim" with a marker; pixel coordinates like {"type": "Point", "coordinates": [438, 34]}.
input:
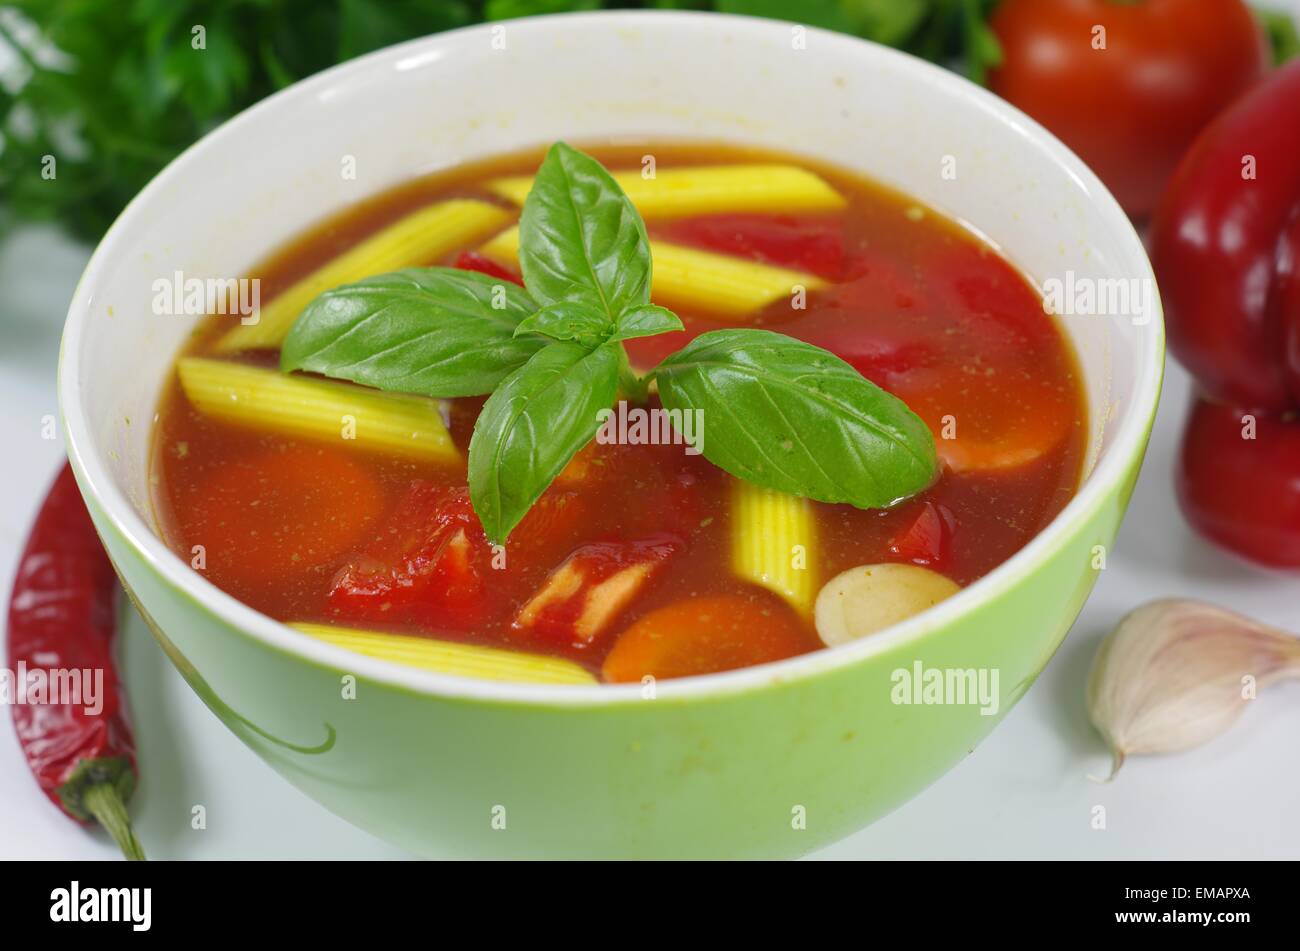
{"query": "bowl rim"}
{"type": "Point", "coordinates": [1121, 458]}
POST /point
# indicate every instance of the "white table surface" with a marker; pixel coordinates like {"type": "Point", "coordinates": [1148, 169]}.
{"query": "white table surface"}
{"type": "Point", "coordinates": [1024, 793]}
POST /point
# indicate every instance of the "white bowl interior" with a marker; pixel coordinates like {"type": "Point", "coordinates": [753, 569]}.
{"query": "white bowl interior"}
{"type": "Point", "coordinates": [451, 98]}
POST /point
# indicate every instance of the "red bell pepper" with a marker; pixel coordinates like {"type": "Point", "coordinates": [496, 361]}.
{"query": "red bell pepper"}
{"type": "Point", "coordinates": [1238, 481]}
{"type": "Point", "coordinates": [1225, 243]}
{"type": "Point", "coordinates": [1220, 243]}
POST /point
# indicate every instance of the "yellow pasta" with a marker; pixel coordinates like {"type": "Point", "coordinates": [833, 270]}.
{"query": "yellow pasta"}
{"type": "Point", "coordinates": [716, 284]}
{"type": "Point", "coordinates": [419, 238]}
{"type": "Point", "coordinates": [772, 542]}
{"type": "Point", "coordinates": [341, 413]}
{"type": "Point", "coordinates": [447, 657]}
{"type": "Point", "coordinates": [709, 189]}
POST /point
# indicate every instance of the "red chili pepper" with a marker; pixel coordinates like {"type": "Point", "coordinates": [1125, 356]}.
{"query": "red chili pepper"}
{"type": "Point", "coordinates": [77, 741]}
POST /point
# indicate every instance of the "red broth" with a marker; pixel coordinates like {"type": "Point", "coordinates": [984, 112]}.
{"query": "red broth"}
{"type": "Point", "coordinates": [919, 305]}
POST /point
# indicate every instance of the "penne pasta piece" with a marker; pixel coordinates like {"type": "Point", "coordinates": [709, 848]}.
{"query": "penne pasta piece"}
{"type": "Point", "coordinates": [709, 189]}
{"type": "Point", "coordinates": [687, 278]}
{"type": "Point", "coordinates": [450, 657]}
{"type": "Point", "coordinates": [419, 238]}
{"type": "Point", "coordinates": [317, 409]}
{"type": "Point", "coordinates": [772, 539]}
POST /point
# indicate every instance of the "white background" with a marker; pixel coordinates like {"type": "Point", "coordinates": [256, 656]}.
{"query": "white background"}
{"type": "Point", "coordinates": [1024, 793]}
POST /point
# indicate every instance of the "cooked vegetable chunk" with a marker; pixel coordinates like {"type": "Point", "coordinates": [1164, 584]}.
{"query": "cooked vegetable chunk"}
{"type": "Point", "coordinates": [870, 598]}
{"type": "Point", "coordinates": [772, 539]}
{"type": "Point", "coordinates": [727, 287]}
{"type": "Point", "coordinates": [708, 189]}
{"type": "Point", "coordinates": [584, 595]}
{"type": "Point", "coordinates": [317, 502]}
{"type": "Point", "coordinates": [428, 567]}
{"type": "Point", "coordinates": [420, 238]}
{"type": "Point", "coordinates": [446, 657]}
{"type": "Point", "coordinates": [339, 413]}
{"type": "Point", "coordinates": [927, 538]}
{"type": "Point", "coordinates": [705, 635]}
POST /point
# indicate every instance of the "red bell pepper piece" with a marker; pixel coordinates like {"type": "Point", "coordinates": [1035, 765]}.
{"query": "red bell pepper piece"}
{"type": "Point", "coordinates": [473, 261]}
{"type": "Point", "coordinates": [581, 598]}
{"type": "Point", "coordinates": [813, 243]}
{"type": "Point", "coordinates": [927, 539]}
{"type": "Point", "coordinates": [430, 567]}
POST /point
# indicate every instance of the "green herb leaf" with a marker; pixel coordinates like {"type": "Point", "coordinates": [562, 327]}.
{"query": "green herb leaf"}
{"type": "Point", "coordinates": [1280, 25]}
{"type": "Point", "coordinates": [433, 331]}
{"type": "Point", "coordinates": [647, 321]}
{"type": "Point", "coordinates": [568, 321]}
{"type": "Point", "coordinates": [794, 417]}
{"type": "Point", "coordinates": [580, 239]}
{"type": "Point", "coordinates": [578, 322]}
{"type": "Point", "coordinates": [534, 423]}
{"type": "Point", "coordinates": [510, 9]}
{"type": "Point", "coordinates": [983, 50]}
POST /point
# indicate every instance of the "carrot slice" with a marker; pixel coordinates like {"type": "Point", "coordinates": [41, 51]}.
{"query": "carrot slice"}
{"type": "Point", "coordinates": [1003, 423]}
{"type": "Point", "coordinates": [707, 634]}
{"type": "Point", "coordinates": [279, 512]}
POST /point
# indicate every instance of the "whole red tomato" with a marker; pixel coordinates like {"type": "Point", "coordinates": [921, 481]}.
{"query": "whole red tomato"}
{"type": "Point", "coordinates": [1129, 100]}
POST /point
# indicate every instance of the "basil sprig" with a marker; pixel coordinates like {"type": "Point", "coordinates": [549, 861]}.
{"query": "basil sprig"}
{"type": "Point", "coordinates": [780, 413]}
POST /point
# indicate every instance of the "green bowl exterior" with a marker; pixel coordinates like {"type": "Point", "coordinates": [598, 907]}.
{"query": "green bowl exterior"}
{"type": "Point", "coordinates": [769, 771]}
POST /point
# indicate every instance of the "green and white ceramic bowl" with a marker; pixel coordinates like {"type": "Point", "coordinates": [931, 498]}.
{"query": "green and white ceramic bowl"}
{"type": "Point", "coordinates": [774, 760]}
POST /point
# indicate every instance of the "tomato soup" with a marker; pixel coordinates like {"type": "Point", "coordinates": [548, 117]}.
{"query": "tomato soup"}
{"type": "Point", "coordinates": [642, 558]}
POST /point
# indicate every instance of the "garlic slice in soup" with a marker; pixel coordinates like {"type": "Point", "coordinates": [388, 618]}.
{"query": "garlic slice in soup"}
{"type": "Point", "coordinates": [870, 598]}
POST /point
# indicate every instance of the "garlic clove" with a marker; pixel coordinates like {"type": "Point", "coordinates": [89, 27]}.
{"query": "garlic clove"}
{"type": "Point", "coordinates": [1176, 673]}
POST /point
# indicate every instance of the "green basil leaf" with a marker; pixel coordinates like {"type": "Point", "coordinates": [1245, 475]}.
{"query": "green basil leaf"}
{"type": "Point", "coordinates": [568, 321]}
{"type": "Point", "coordinates": [794, 417]}
{"type": "Point", "coordinates": [534, 423]}
{"type": "Point", "coordinates": [580, 239]}
{"type": "Point", "coordinates": [434, 331]}
{"type": "Point", "coordinates": [646, 321]}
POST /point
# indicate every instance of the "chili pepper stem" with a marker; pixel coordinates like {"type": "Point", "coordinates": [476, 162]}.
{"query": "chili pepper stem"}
{"type": "Point", "coordinates": [102, 801]}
